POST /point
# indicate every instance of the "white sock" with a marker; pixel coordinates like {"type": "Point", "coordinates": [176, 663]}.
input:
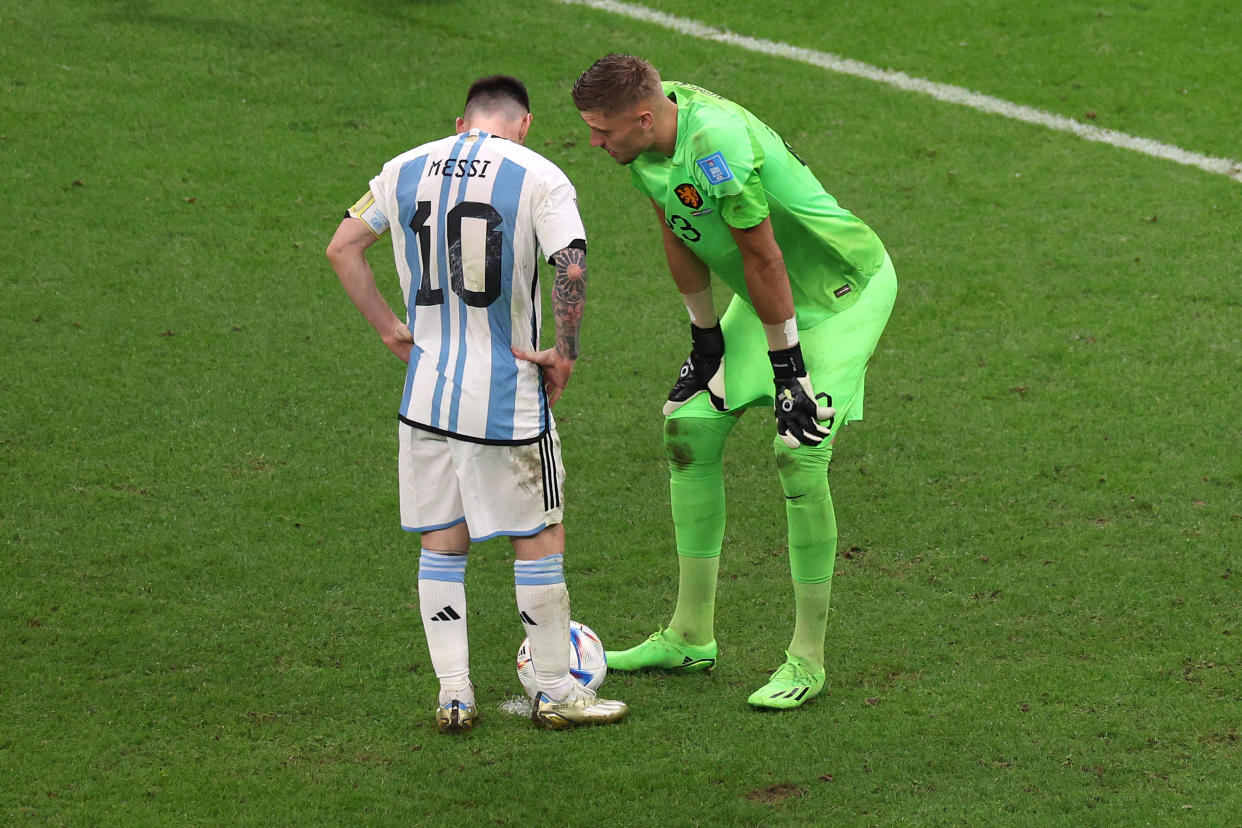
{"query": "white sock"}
{"type": "Point", "coordinates": [543, 603]}
{"type": "Point", "coordinates": [442, 603]}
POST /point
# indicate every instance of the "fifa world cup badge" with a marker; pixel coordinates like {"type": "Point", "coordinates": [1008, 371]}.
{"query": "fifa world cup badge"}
{"type": "Point", "coordinates": [715, 168]}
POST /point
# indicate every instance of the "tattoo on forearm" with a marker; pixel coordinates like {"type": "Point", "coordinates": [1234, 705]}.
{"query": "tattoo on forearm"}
{"type": "Point", "coordinates": [568, 298]}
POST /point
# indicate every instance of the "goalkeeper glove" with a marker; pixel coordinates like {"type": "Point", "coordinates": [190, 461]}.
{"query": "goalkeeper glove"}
{"type": "Point", "coordinates": [800, 418]}
{"type": "Point", "coordinates": [702, 371]}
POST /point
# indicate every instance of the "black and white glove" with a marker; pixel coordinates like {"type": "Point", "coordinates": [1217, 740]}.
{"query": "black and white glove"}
{"type": "Point", "coordinates": [702, 371]}
{"type": "Point", "coordinates": [800, 418]}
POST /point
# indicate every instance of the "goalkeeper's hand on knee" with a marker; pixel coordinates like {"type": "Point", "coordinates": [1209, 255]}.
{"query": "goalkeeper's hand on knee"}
{"type": "Point", "coordinates": [802, 416]}
{"type": "Point", "coordinates": [702, 371]}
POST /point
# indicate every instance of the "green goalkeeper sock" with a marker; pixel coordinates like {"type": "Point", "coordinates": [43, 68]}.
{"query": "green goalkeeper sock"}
{"type": "Point", "coordinates": [696, 493]}
{"type": "Point", "coordinates": [812, 524]}
{"type": "Point", "coordinates": [694, 618]}
{"type": "Point", "coordinates": [810, 621]}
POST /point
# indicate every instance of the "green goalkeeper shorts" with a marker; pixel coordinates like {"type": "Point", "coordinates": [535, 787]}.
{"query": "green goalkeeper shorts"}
{"type": "Point", "coordinates": [836, 351]}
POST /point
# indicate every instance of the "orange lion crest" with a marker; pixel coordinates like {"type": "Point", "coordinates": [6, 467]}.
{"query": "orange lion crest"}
{"type": "Point", "coordinates": [689, 196]}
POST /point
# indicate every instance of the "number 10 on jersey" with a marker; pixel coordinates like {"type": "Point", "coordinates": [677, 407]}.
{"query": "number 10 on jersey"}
{"type": "Point", "coordinates": [489, 255]}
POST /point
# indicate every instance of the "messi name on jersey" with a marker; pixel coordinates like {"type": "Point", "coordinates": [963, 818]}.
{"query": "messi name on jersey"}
{"type": "Point", "coordinates": [459, 168]}
{"type": "Point", "coordinates": [715, 168]}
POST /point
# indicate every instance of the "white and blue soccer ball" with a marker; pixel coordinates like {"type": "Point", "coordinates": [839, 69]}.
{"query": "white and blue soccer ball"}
{"type": "Point", "coordinates": [586, 659]}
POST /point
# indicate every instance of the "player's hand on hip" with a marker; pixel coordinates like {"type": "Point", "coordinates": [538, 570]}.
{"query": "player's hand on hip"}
{"type": "Point", "coordinates": [399, 340]}
{"type": "Point", "coordinates": [703, 371]}
{"type": "Point", "coordinates": [802, 416]}
{"type": "Point", "coordinates": [556, 368]}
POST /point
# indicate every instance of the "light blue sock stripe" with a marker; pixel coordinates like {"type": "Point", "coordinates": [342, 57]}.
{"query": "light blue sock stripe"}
{"type": "Point", "coordinates": [434, 566]}
{"type": "Point", "coordinates": [549, 570]}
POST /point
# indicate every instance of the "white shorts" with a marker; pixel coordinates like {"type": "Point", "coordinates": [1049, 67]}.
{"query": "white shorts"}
{"type": "Point", "coordinates": [496, 490]}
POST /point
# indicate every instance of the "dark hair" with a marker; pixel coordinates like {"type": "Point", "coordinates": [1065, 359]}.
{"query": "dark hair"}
{"type": "Point", "coordinates": [615, 83]}
{"type": "Point", "coordinates": [497, 92]}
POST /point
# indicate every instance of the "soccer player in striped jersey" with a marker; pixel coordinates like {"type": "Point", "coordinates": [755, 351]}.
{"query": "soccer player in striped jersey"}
{"type": "Point", "coordinates": [813, 288]}
{"type": "Point", "coordinates": [479, 456]}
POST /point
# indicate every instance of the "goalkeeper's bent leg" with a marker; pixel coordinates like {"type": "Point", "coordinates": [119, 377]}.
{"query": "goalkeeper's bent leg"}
{"type": "Point", "coordinates": [812, 542]}
{"type": "Point", "coordinates": [695, 445]}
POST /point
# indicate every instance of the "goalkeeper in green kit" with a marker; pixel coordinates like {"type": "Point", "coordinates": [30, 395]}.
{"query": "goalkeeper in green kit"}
{"type": "Point", "coordinates": [813, 289]}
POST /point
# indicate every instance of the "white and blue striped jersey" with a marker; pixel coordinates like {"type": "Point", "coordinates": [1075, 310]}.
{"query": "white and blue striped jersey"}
{"type": "Point", "coordinates": [470, 215]}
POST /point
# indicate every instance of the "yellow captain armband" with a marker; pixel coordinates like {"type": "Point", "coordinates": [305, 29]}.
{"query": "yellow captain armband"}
{"type": "Point", "coordinates": [365, 209]}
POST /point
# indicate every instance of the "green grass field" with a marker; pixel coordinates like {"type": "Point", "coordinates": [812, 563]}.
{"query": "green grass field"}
{"type": "Point", "coordinates": [208, 606]}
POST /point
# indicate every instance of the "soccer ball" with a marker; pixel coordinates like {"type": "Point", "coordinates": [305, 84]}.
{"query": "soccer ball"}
{"type": "Point", "coordinates": [586, 659]}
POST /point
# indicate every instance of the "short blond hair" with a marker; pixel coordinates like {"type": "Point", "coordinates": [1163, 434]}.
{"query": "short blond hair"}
{"type": "Point", "coordinates": [615, 83]}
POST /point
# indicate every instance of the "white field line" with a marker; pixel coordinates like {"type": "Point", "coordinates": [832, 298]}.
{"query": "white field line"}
{"type": "Point", "coordinates": [940, 91]}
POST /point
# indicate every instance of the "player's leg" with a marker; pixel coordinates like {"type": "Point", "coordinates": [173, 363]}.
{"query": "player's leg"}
{"type": "Point", "coordinates": [516, 491]}
{"type": "Point", "coordinates": [837, 351]}
{"type": "Point", "coordinates": [694, 438]}
{"type": "Point", "coordinates": [543, 603]}
{"type": "Point", "coordinates": [430, 505]}
{"type": "Point", "coordinates": [812, 525]}
{"type": "Point", "coordinates": [442, 603]}
{"type": "Point", "coordinates": [695, 447]}
{"type": "Point", "coordinates": [812, 529]}
{"type": "Point", "coordinates": [543, 606]}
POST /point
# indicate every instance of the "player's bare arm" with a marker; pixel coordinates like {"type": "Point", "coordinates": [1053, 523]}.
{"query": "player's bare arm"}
{"type": "Point", "coordinates": [568, 298]}
{"type": "Point", "coordinates": [764, 268]}
{"type": "Point", "coordinates": [568, 303]}
{"type": "Point", "coordinates": [347, 253]}
{"type": "Point", "coordinates": [703, 369]}
{"type": "Point", "coordinates": [687, 269]}
{"type": "Point", "coordinates": [802, 416]}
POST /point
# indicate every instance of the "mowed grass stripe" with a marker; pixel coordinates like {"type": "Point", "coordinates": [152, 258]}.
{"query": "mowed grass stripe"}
{"type": "Point", "coordinates": [940, 91]}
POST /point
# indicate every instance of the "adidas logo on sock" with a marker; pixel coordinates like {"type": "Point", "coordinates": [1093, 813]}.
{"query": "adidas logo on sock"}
{"type": "Point", "coordinates": [526, 619]}
{"type": "Point", "coordinates": [446, 614]}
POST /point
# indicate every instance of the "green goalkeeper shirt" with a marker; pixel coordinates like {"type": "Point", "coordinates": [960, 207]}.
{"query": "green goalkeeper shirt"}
{"type": "Point", "coordinates": [729, 169]}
